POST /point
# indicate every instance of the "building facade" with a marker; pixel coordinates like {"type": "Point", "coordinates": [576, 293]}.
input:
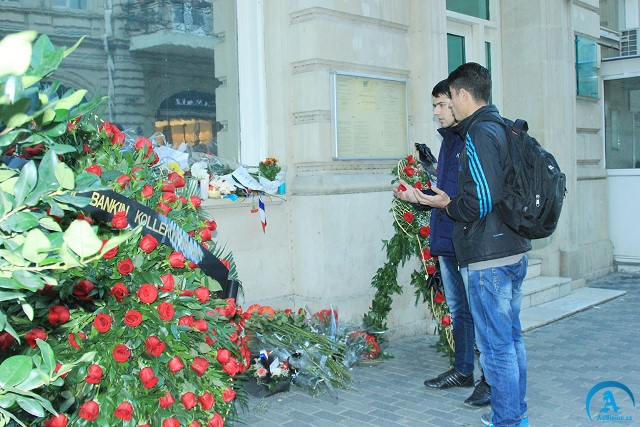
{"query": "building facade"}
{"type": "Point", "coordinates": [246, 79]}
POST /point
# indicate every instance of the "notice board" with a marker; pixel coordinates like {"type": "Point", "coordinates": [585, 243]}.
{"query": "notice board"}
{"type": "Point", "coordinates": [369, 117]}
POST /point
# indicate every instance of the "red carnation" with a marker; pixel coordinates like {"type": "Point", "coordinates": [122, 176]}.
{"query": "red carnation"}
{"type": "Point", "coordinates": [34, 334]}
{"type": "Point", "coordinates": [133, 318]}
{"type": "Point", "coordinates": [147, 293]}
{"type": "Point", "coordinates": [176, 260]}
{"type": "Point", "coordinates": [206, 401]}
{"type": "Point", "coordinates": [121, 353]}
{"type": "Point", "coordinates": [59, 420]}
{"type": "Point", "coordinates": [124, 411]}
{"type": "Point", "coordinates": [216, 421]}
{"type": "Point", "coordinates": [199, 365]}
{"type": "Point", "coordinates": [228, 394]}
{"type": "Point", "coordinates": [148, 378]}
{"type": "Point", "coordinates": [125, 266]}
{"type": "Point", "coordinates": [166, 311]}
{"type": "Point", "coordinates": [168, 283]}
{"type": "Point", "coordinates": [166, 400]}
{"type": "Point", "coordinates": [119, 220]}
{"type": "Point", "coordinates": [58, 314]}
{"type": "Point", "coordinates": [175, 364]}
{"type": "Point", "coordinates": [83, 289]}
{"type": "Point", "coordinates": [408, 216]}
{"type": "Point", "coordinates": [102, 322]}
{"type": "Point", "coordinates": [189, 400]}
{"type": "Point", "coordinates": [94, 169]}
{"type": "Point", "coordinates": [147, 191]}
{"type": "Point", "coordinates": [148, 243]}
{"type": "Point", "coordinates": [119, 291]}
{"type": "Point", "coordinates": [89, 410]}
{"type": "Point", "coordinates": [446, 320]}
{"type": "Point", "coordinates": [154, 346]}
{"type": "Point", "coordinates": [94, 376]}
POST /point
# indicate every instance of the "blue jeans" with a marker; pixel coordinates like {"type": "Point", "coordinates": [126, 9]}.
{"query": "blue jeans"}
{"type": "Point", "coordinates": [456, 296]}
{"type": "Point", "coordinates": [495, 296]}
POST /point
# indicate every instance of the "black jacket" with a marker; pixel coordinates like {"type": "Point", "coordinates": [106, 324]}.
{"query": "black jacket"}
{"type": "Point", "coordinates": [479, 234]}
{"type": "Point", "coordinates": [441, 243]}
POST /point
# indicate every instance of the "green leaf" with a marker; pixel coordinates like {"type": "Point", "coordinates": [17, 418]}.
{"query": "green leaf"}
{"type": "Point", "coordinates": [70, 101]}
{"type": "Point", "coordinates": [50, 224]}
{"type": "Point", "coordinates": [68, 257]}
{"type": "Point", "coordinates": [64, 175]}
{"type": "Point", "coordinates": [31, 405]}
{"type": "Point", "coordinates": [13, 258]}
{"type": "Point", "coordinates": [36, 246]}
{"type": "Point", "coordinates": [34, 380]}
{"type": "Point", "coordinates": [20, 222]}
{"type": "Point", "coordinates": [63, 148]}
{"type": "Point", "coordinates": [8, 296]}
{"type": "Point", "coordinates": [18, 47]}
{"type": "Point", "coordinates": [87, 357]}
{"type": "Point", "coordinates": [7, 400]}
{"type": "Point", "coordinates": [8, 185]}
{"type": "Point", "coordinates": [14, 370]}
{"type": "Point", "coordinates": [48, 357]}
{"type": "Point", "coordinates": [46, 178]}
{"type": "Point", "coordinates": [55, 131]}
{"type": "Point", "coordinates": [26, 182]}
{"type": "Point", "coordinates": [82, 239]}
{"type": "Point", "coordinates": [69, 199]}
{"type": "Point", "coordinates": [28, 280]}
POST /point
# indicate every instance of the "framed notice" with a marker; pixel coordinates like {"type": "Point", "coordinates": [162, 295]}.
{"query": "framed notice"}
{"type": "Point", "coordinates": [369, 117]}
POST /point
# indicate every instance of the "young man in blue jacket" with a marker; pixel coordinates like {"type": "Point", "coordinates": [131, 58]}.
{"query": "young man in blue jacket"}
{"type": "Point", "coordinates": [493, 257]}
{"type": "Point", "coordinates": [441, 245]}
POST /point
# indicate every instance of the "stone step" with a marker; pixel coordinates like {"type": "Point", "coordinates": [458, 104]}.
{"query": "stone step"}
{"type": "Point", "coordinates": [541, 289]}
{"type": "Point", "coordinates": [574, 302]}
{"type": "Point", "coordinates": [534, 268]}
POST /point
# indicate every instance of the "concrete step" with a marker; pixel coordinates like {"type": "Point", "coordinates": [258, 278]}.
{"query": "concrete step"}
{"type": "Point", "coordinates": [540, 289]}
{"type": "Point", "coordinates": [574, 302]}
{"type": "Point", "coordinates": [534, 267]}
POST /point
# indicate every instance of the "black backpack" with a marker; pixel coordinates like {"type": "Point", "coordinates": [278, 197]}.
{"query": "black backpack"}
{"type": "Point", "coordinates": [534, 187]}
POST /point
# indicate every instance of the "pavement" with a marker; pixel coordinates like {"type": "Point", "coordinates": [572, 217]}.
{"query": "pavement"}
{"type": "Point", "coordinates": [566, 359]}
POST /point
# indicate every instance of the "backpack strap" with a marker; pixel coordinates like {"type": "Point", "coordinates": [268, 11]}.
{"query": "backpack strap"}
{"type": "Point", "coordinates": [521, 125]}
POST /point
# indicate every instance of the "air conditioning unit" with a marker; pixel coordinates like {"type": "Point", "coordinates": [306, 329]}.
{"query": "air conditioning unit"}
{"type": "Point", "coordinates": [629, 42]}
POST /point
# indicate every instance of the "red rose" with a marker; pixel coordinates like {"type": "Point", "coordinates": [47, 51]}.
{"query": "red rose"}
{"type": "Point", "coordinates": [102, 322]}
{"type": "Point", "coordinates": [408, 170]}
{"type": "Point", "coordinates": [166, 400]}
{"type": "Point", "coordinates": [207, 401]}
{"type": "Point", "coordinates": [163, 208]}
{"type": "Point", "coordinates": [408, 216]}
{"type": "Point", "coordinates": [34, 334]}
{"type": "Point", "coordinates": [183, 200]}
{"type": "Point", "coordinates": [211, 225]}
{"type": "Point", "coordinates": [410, 160]}
{"type": "Point", "coordinates": [119, 291]}
{"type": "Point", "coordinates": [133, 318]}
{"type": "Point", "coordinates": [176, 260]}
{"type": "Point", "coordinates": [147, 293]}
{"type": "Point", "coordinates": [125, 266]}
{"type": "Point", "coordinates": [57, 369]}
{"type": "Point", "coordinates": [228, 394]}
{"type": "Point", "coordinates": [115, 135]}
{"type": "Point", "coordinates": [121, 353]}
{"type": "Point", "coordinates": [418, 185]}
{"type": "Point", "coordinates": [170, 422]}
{"type": "Point", "coordinates": [201, 325]}
{"type": "Point", "coordinates": [175, 364]}
{"type": "Point", "coordinates": [189, 400]}
{"type": "Point", "coordinates": [223, 356]}
{"type": "Point", "coordinates": [426, 254]}
{"type": "Point", "coordinates": [438, 298]}
{"type": "Point", "coordinates": [59, 420]}
{"type": "Point", "coordinates": [6, 341]}
{"type": "Point", "coordinates": [205, 234]}
{"type": "Point", "coordinates": [195, 201]}
{"type": "Point", "coordinates": [134, 172]}
{"type": "Point", "coordinates": [35, 150]}
{"type": "Point", "coordinates": [110, 253]}
{"type": "Point", "coordinates": [446, 320]}
{"type": "Point", "coordinates": [147, 191]}
{"type": "Point", "coordinates": [58, 314]}
{"type": "Point", "coordinates": [208, 340]}
{"type": "Point", "coordinates": [124, 411]}
{"type": "Point", "coordinates": [186, 320]}
{"type": "Point", "coordinates": [94, 169]}
{"type": "Point", "coordinates": [154, 346]}
{"type": "Point", "coordinates": [86, 149]}
{"type": "Point", "coordinates": [193, 265]}
{"type": "Point", "coordinates": [89, 410]}
{"type": "Point", "coordinates": [144, 144]}
{"type": "Point", "coordinates": [169, 187]}
{"type": "Point", "coordinates": [169, 197]}
{"type": "Point", "coordinates": [194, 423]}
{"type": "Point", "coordinates": [425, 230]}
{"type": "Point", "coordinates": [216, 421]}
{"type": "Point", "coordinates": [148, 378]}
{"type": "Point", "coordinates": [123, 180]}
{"type": "Point", "coordinates": [94, 376]}
{"type": "Point", "coordinates": [226, 263]}
{"type": "Point", "coordinates": [119, 220]}
{"type": "Point", "coordinates": [84, 218]}
{"type": "Point", "coordinates": [176, 179]}
{"type": "Point", "coordinates": [229, 310]}
{"type": "Point", "coordinates": [401, 188]}
{"type": "Point", "coordinates": [186, 293]}
{"type": "Point", "coordinates": [72, 339]}
{"type": "Point", "coordinates": [167, 283]}
{"type": "Point", "coordinates": [202, 294]}
{"type": "Point", "coordinates": [431, 269]}
{"type": "Point", "coordinates": [83, 289]}
{"type": "Point", "coordinates": [232, 367]}
{"type": "Point", "coordinates": [199, 365]}
{"type": "Point", "coordinates": [166, 311]}
{"type": "Point", "coordinates": [148, 243]}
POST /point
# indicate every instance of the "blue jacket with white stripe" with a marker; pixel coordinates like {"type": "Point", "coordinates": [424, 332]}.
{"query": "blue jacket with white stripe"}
{"type": "Point", "coordinates": [479, 233]}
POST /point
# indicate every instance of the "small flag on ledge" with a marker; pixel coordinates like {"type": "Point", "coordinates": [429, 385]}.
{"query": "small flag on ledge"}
{"type": "Point", "coordinates": [263, 215]}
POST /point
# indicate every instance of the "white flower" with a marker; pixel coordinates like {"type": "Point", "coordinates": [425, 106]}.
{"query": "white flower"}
{"type": "Point", "coordinates": [199, 170]}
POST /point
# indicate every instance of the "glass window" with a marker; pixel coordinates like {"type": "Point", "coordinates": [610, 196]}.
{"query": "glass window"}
{"type": "Point", "coordinates": [456, 55]}
{"type": "Point", "coordinates": [622, 123]}
{"type": "Point", "coordinates": [72, 4]}
{"type": "Point", "coordinates": [586, 67]}
{"type": "Point", "coordinates": [477, 8]}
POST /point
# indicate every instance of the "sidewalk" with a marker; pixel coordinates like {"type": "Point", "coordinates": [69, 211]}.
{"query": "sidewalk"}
{"type": "Point", "coordinates": [565, 360]}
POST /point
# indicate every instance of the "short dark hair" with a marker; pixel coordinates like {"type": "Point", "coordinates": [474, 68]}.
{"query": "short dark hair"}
{"type": "Point", "coordinates": [472, 77]}
{"type": "Point", "coordinates": [442, 88]}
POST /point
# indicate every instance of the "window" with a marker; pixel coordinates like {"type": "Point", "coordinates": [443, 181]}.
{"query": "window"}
{"type": "Point", "coordinates": [71, 4]}
{"type": "Point", "coordinates": [586, 67]}
{"type": "Point", "coordinates": [455, 51]}
{"type": "Point", "coordinates": [622, 123]}
{"type": "Point", "coordinates": [476, 8]}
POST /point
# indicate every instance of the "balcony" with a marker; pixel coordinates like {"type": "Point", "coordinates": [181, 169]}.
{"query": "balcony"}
{"type": "Point", "coordinates": [181, 26]}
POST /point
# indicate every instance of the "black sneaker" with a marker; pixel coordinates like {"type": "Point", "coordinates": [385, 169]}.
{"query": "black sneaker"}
{"type": "Point", "coordinates": [451, 378]}
{"type": "Point", "coordinates": [481, 395]}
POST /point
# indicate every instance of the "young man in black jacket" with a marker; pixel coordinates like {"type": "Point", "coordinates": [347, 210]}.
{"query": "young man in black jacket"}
{"type": "Point", "coordinates": [492, 256]}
